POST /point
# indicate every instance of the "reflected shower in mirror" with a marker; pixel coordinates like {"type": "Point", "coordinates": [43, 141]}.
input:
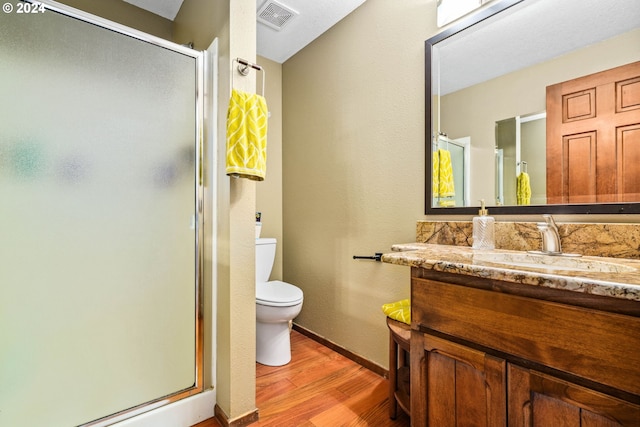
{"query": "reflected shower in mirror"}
{"type": "Point", "coordinates": [492, 71]}
{"type": "Point", "coordinates": [451, 171]}
{"type": "Point", "coordinates": [521, 165]}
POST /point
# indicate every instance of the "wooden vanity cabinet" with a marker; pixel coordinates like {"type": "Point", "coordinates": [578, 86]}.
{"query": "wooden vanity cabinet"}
{"type": "Point", "coordinates": [488, 353]}
{"type": "Point", "coordinates": [536, 399]}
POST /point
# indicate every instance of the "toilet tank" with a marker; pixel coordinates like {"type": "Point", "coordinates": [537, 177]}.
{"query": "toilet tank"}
{"type": "Point", "coordinates": [265, 256]}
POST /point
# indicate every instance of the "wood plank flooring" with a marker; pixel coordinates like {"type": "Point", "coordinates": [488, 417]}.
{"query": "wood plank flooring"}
{"type": "Point", "coordinates": [320, 388]}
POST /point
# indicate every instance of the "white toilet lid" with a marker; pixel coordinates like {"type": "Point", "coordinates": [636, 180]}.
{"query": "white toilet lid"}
{"type": "Point", "coordinates": [277, 293]}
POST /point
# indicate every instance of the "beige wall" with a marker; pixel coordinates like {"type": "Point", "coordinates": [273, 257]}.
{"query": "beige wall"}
{"type": "Point", "coordinates": [353, 167]}
{"type": "Point", "coordinates": [199, 22]}
{"type": "Point", "coordinates": [269, 191]}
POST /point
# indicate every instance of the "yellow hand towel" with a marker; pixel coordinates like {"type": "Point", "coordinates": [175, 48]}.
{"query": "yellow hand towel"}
{"type": "Point", "coordinates": [435, 179]}
{"type": "Point", "coordinates": [447, 203]}
{"type": "Point", "coordinates": [442, 180]}
{"type": "Point", "coordinates": [247, 136]}
{"type": "Point", "coordinates": [399, 310]}
{"type": "Point", "coordinates": [523, 189]}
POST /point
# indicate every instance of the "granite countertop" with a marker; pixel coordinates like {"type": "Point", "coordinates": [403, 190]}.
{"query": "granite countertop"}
{"type": "Point", "coordinates": [612, 277]}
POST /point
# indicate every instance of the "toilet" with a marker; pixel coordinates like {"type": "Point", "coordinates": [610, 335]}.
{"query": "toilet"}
{"type": "Point", "coordinates": [277, 303]}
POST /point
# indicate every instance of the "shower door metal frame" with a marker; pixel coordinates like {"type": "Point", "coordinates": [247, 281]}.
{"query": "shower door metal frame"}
{"type": "Point", "coordinates": [199, 57]}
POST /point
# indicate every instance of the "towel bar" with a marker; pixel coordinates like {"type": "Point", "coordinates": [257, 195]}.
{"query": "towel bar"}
{"type": "Point", "coordinates": [377, 256]}
{"type": "Point", "coordinates": [244, 67]}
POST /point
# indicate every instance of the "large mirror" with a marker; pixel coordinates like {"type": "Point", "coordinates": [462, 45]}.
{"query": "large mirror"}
{"type": "Point", "coordinates": [506, 91]}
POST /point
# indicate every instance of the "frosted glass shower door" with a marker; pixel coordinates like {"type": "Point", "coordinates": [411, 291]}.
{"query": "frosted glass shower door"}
{"type": "Point", "coordinates": [459, 150]}
{"type": "Point", "coordinates": [98, 221]}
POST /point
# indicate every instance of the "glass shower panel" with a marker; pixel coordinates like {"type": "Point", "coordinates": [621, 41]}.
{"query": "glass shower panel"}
{"type": "Point", "coordinates": [457, 164]}
{"type": "Point", "coordinates": [457, 150]}
{"type": "Point", "coordinates": [97, 221]}
{"type": "Point", "coordinates": [506, 137]}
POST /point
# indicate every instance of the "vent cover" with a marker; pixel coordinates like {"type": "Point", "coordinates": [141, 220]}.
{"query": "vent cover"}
{"type": "Point", "coordinates": [275, 15]}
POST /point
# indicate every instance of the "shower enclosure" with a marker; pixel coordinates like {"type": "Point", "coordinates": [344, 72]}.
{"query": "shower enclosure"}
{"type": "Point", "coordinates": [100, 221]}
{"type": "Point", "coordinates": [460, 160]}
{"type": "Point", "coordinates": [521, 147]}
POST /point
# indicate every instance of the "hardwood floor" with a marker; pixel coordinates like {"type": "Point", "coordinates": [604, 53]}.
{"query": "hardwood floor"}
{"type": "Point", "coordinates": [320, 388]}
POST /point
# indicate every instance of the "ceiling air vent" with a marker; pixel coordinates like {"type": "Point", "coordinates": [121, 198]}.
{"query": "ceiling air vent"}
{"type": "Point", "coordinates": [275, 15]}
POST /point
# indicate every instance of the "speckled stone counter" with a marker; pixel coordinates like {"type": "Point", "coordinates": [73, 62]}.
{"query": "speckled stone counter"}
{"type": "Point", "coordinates": [621, 281]}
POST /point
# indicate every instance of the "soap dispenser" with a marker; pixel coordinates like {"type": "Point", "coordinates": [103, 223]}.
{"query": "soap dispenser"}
{"type": "Point", "coordinates": [483, 229]}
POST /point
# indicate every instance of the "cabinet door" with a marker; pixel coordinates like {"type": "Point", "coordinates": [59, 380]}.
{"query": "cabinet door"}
{"type": "Point", "coordinates": [465, 387]}
{"type": "Point", "coordinates": [538, 400]}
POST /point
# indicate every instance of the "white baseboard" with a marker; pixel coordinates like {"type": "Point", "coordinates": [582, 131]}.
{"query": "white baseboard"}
{"type": "Point", "coordinates": [183, 413]}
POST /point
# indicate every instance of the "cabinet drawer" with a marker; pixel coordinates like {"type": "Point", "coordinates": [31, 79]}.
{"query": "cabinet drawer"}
{"type": "Point", "coordinates": [595, 345]}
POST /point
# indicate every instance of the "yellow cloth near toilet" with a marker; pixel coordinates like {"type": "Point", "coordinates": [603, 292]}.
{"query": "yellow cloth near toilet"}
{"type": "Point", "coordinates": [442, 180]}
{"type": "Point", "coordinates": [523, 189]}
{"type": "Point", "coordinates": [247, 135]}
{"type": "Point", "coordinates": [399, 310]}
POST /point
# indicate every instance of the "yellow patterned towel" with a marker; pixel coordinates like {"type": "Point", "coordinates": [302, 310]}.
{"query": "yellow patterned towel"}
{"type": "Point", "coordinates": [247, 136]}
{"type": "Point", "coordinates": [523, 189]}
{"type": "Point", "coordinates": [400, 311]}
{"type": "Point", "coordinates": [442, 182]}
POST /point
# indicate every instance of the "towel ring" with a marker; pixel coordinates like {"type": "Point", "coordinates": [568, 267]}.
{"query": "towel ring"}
{"type": "Point", "coordinates": [244, 67]}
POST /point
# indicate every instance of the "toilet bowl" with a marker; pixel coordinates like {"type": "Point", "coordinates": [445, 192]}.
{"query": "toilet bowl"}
{"type": "Point", "coordinates": [277, 303]}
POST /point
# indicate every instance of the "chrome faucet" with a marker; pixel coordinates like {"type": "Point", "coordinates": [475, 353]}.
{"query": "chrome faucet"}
{"type": "Point", "coordinates": [550, 235]}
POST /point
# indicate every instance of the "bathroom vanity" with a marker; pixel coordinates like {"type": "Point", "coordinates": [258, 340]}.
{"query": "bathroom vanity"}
{"type": "Point", "coordinates": [506, 338]}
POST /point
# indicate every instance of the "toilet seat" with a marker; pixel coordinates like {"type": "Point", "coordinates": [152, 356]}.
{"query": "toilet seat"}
{"type": "Point", "coordinates": [278, 294]}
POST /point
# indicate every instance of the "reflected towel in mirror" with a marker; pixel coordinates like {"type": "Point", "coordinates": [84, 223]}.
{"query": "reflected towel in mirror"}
{"type": "Point", "coordinates": [523, 189]}
{"type": "Point", "coordinates": [442, 186]}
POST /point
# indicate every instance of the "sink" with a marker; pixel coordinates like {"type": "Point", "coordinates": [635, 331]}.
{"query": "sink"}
{"type": "Point", "coordinates": [550, 262]}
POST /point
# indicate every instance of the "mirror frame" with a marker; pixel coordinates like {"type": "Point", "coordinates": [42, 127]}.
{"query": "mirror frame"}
{"type": "Point", "coordinates": [454, 28]}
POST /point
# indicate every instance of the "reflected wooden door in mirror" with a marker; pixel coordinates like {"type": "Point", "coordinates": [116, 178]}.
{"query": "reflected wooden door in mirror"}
{"type": "Point", "coordinates": [593, 126]}
{"type": "Point", "coordinates": [496, 64]}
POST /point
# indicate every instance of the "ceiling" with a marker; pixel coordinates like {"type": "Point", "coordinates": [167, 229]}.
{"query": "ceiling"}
{"type": "Point", "coordinates": [310, 18]}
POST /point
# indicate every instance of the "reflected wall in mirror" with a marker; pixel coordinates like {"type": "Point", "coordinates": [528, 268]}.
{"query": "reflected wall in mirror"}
{"type": "Point", "coordinates": [487, 77]}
